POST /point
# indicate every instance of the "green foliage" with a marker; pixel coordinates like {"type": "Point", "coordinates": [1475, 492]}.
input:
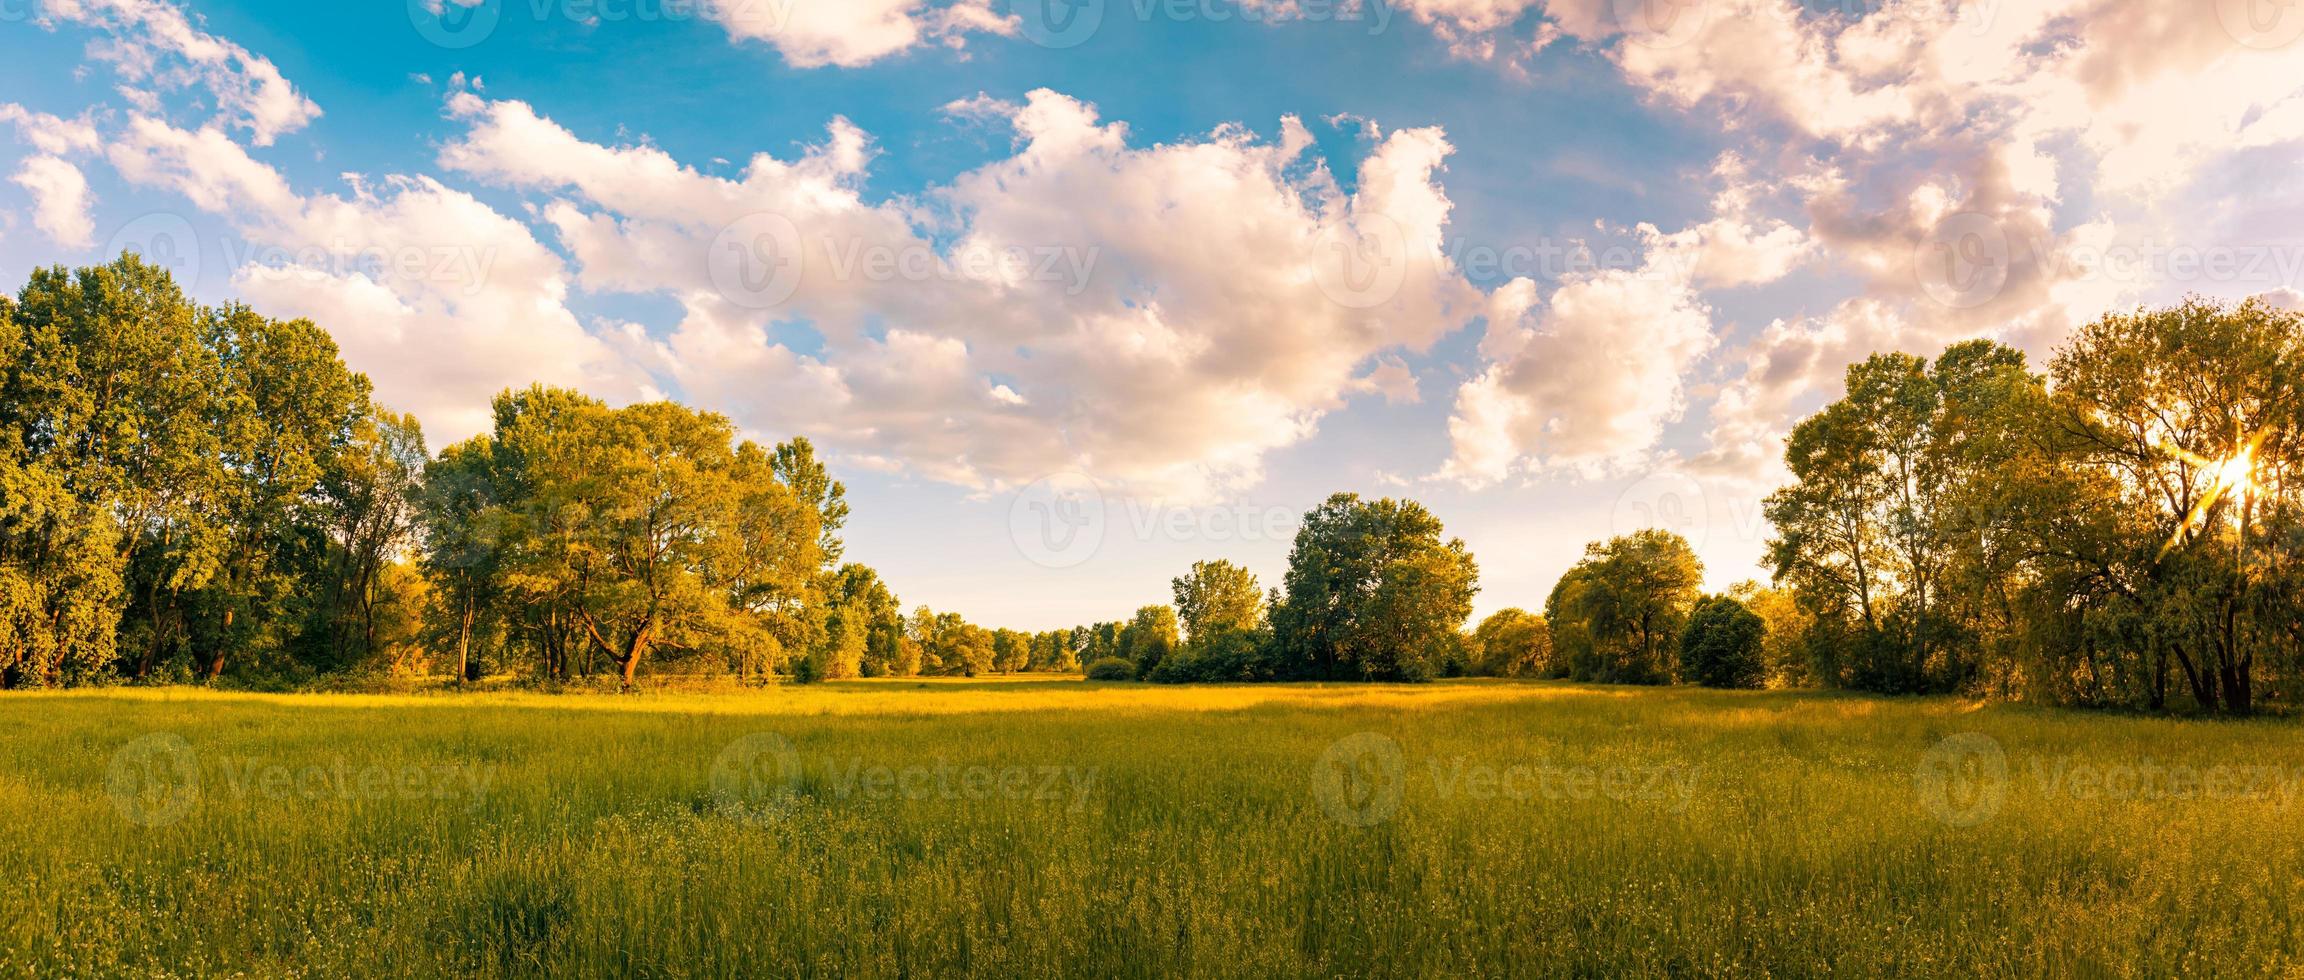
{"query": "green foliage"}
{"type": "Point", "coordinates": [1218, 597]}
{"type": "Point", "coordinates": [1721, 646]}
{"type": "Point", "coordinates": [1149, 638]}
{"type": "Point", "coordinates": [1372, 593]}
{"type": "Point", "coordinates": [1511, 643]}
{"type": "Point", "coordinates": [1617, 615]}
{"type": "Point", "coordinates": [1112, 669]}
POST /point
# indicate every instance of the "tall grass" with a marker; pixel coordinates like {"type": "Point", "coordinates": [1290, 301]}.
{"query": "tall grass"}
{"type": "Point", "coordinates": [1673, 832]}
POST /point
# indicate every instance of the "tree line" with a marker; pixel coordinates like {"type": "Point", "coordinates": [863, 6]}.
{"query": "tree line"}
{"type": "Point", "coordinates": [2122, 530]}
{"type": "Point", "coordinates": [189, 493]}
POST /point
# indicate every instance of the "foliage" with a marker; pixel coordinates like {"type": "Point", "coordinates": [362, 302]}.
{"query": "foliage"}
{"type": "Point", "coordinates": [1112, 669]}
{"type": "Point", "coordinates": [1372, 593]}
{"type": "Point", "coordinates": [1512, 643]}
{"type": "Point", "coordinates": [1617, 615]}
{"type": "Point", "coordinates": [1721, 646]}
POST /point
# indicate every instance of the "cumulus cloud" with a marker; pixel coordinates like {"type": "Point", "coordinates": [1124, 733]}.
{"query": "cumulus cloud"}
{"type": "Point", "coordinates": [1161, 317]}
{"type": "Point", "coordinates": [60, 196]}
{"type": "Point", "coordinates": [850, 33]}
{"type": "Point", "coordinates": [59, 200]}
{"type": "Point", "coordinates": [154, 46]}
{"type": "Point", "coordinates": [438, 298]}
{"type": "Point", "coordinates": [1928, 145]}
{"type": "Point", "coordinates": [1588, 383]}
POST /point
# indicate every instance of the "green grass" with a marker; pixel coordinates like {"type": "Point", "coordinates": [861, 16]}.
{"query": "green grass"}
{"type": "Point", "coordinates": [1684, 832]}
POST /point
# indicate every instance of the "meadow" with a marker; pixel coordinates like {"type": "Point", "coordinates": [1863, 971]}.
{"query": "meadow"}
{"type": "Point", "coordinates": [1057, 827]}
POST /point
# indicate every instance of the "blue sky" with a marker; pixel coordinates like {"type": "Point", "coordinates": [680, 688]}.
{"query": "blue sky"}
{"type": "Point", "coordinates": [1769, 189]}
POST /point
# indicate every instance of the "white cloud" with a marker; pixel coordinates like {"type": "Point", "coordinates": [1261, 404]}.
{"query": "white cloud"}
{"type": "Point", "coordinates": [1589, 384]}
{"type": "Point", "coordinates": [60, 200]}
{"type": "Point", "coordinates": [850, 33]}
{"type": "Point", "coordinates": [438, 298]}
{"type": "Point", "coordinates": [1161, 317]}
{"type": "Point", "coordinates": [153, 43]}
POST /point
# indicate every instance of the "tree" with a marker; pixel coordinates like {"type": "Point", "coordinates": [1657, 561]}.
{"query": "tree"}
{"type": "Point", "coordinates": [1217, 596]}
{"type": "Point", "coordinates": [863, 620]}
{"type": "Point", "coordinates": [2166, 538]}
{"type": "Point", "coordinates": [1149, 638]}
{"type": "Point", "coordinates": [458, 507]}
{"type": "Point", "coordinates": [1721, 646]}
{"type": "Point", "coordinates": [1893, 511]}
{"type": "Point", "coordinates": [1372, 593]}
{"type": "Point", "coordinates": [370, 506]}
{"type": "Point", "coordinates": [1625, 604]}
{"type": "Point", "coordinates": [1512, 643]}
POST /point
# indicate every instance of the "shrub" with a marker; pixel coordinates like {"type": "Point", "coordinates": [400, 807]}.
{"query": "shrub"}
{"type": "Point", "coordinates": [1112, 669]}
{"type": "Point", "coordinates": [1721, 647]}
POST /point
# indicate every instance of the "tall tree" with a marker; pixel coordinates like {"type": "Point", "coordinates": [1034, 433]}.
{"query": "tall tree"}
{"type": "Point", "coordinates": [1372, 592]}
{"type": "Point", "coordinates": [1216, 597]}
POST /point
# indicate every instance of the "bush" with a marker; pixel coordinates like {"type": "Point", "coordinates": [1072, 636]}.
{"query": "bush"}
{"type": "Point", "coordinates": [1228, 657]}
{"type": "Point", "coordinates": [1721, 647]}
{"type": "Point", "coordinates": [1112, 669]}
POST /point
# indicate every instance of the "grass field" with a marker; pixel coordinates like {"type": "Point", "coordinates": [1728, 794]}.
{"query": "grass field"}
{"type": "Point", "coordinates": [1032, 828]}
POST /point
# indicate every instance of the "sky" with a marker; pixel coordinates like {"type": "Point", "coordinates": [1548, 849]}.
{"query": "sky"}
{"type": "Point", "coordinates": [1074, 293]}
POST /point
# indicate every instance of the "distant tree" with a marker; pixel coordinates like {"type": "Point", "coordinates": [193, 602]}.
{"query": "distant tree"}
{"type": "Point", "coordinates": [1512, 643]}
{"type": "Point", "coordinates": [1217, 596]}
{"type": "Point", "coordinates": [1373, 592]}
{"type": "Point", "coordinates": [1011, 651]}
{"type": "Point", "coordinates": [1111, 669]}
{"type": "Point", "coordinates": [1149, 638]}
{"type": "Point", "coordinates": [1619, 612]}
{"type": "Point", "coordinates": [1721, 646]}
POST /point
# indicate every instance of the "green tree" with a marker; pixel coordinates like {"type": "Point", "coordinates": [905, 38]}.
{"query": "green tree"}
{"type": "Point", "coordinates": [1217, 596]}
{"type": "Point", "coordinates": [1721, 646]}
{"type": "Point", "coordinates": [1372, 592]}
{"type": "Point", "coordinates": [1149, 638]}
{"type": "Point", "coordinates": [1512, 643]}
{"type": "Point", "coordinates": [1627, 602]}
